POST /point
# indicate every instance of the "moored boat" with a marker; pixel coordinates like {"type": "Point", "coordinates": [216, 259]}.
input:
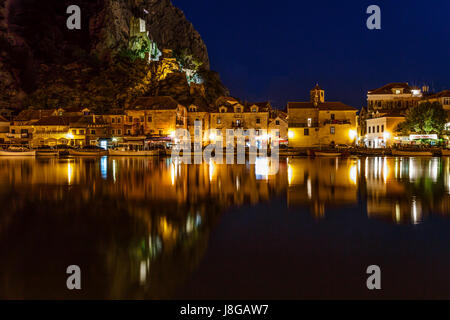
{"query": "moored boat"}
{"type": "Point", "coordinates": [46, 152]}
{"type": "Point", "coordinates": [142, 153]}
{"type": "Point", "coordinates": [89, 151]}
{"type": "Point", "coordinates": [411, 153]}
{"type": "Point", "coordinates": [18, 152]}
{"type": "Point", "coordinates": [327, 154]}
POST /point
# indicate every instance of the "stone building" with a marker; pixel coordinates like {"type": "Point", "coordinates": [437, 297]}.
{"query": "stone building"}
{"type": "Point", "coordinates": [393, 97]}
{"type": "Point", "coordinates": [381, 130]}
{"type": "Point", "coordinates": [319, 123]}
{"type": "Point", "coordinates": [198, 111]}
{"type": "Point", "coordinates": [155, 116]}
{"type": "Point", "coordinates": [279, 121]}
{"type": "Point", "coordinates": [229, 113]}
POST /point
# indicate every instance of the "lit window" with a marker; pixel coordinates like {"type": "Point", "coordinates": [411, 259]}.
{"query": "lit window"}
{"type": "Point", "coordinates": [258, 120]}
{"type": "Point", "coordinates": [332, 130]}
{"type": "Point", "coordinates": [332, 116]}
{"type": "Point", "coordinates": [306, 132]}
{"type": "Point", "coordinates": [149, 119]}
{"type": "Point", "coordinates": [309, 122]}
{"type": "Point", "coordinates": [277, 122]}
{"type": "Point", "coordinates": [218, 120]}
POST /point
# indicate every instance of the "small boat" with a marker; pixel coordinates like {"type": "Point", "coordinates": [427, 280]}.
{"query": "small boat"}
{"type": "Point", "coordinates": [46, 152]}
{"type": "Point", "coordinates": [18, 152]}
{"type": "Point", "coordinates": [142, 153]}
{"type": "Point", "coordinates": [89, 151]}
{"type": "Point", "coordinates": [446, 152]}
{"type": "Point", "coordinates": [327, 154]}
{"type": "Point", "coordinates": [411, 153]}
{"type": "Point", "coordinates": [134, 149]}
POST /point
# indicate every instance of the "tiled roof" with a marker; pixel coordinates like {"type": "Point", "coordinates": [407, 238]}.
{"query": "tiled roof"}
{"type": "Point", "coordinates": [338, 106]}
{"type": "Point", "coordinates": [30, 114]}
{"type": "Point", "coordinates": [442, 94]}
{"type": "Point", "coordinates": [387, 89]}
{"type": "Point", "coordinates": [56, 121]}
{"type": "Point", "coordinates": [155, 103]}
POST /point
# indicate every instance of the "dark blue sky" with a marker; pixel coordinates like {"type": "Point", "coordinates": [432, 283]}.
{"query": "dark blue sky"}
{"type": "Point", "coordinates": [278, 50]}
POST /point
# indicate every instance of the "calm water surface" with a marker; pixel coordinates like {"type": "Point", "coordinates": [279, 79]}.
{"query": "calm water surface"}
{"type": "Point", "coordinates": [143, 228]}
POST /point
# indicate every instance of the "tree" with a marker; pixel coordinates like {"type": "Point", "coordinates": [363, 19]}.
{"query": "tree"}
{"type": "Point", "coordinates": [425, 118]}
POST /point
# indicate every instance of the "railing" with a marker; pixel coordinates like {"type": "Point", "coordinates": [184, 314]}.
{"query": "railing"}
{"type": "Point", "coordinates": [336, 122]}
{"type": "Point", "coordinates": [303, 125]}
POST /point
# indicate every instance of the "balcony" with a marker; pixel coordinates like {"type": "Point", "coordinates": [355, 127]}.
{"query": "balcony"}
{"type": "Point", "coordinates": [336, 122]}
{"type": "Point", "coordinates": [239, 125]}
{"type": "Point", "coordinates": [303, 125]}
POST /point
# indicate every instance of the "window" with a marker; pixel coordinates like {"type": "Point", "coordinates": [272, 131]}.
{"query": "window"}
{"type": "Point", "coordinates": [373, 129]}
{"type": "Point", "coordinates": [113, 120]}
{"type": "Point", "coordinates": [74, 131]}
{"type": "Point", "coordinates": [13, 131]}
{"type": "Point", "coordinates": [238, 123]}
{"type": "Point", "coordinates": [369, 129]}
{"type": "Point", "coordinates": [149, 119]}
{"type": "Point", "coordinates": [81, 131]}
{"type": "Point", "coordinates": [238, 109]}
{"type": "Point", "coordinates": [332, 116]}
{"type": "Point", "coordinates": [446, 101]}
{"type": "Point", "coordinates": [332, 130]}
{"type": "Point", "coordinates": [142, 119]}
{"type": "Point", "coordinates": [130, 119]}
{"type": "Point", "coordinates": [218, 120]}
{"type": "Point", "coordinates": [119, 131]}
{"type": "Point", "coordinates": [128, 131]}
{"type": "Point", "coordinates": [92, 131]}
{"type": "Point", "coordinates": [277, 122]}
{"type": "Point", "coordinates": [119, 120]}
{"type": "Point", "coordinates": [219, 132]}
{"type": "Point", "coordinates": [160, 132]}
{"type": "Point", "coordinates": [254, 110]}
{"type": "Point", "coordinates": [382, 128]}
{"type": "Point", "coordinates": [309, 122]}
{"type": "Point", "coordinates": [378, 129]}
{"type": "Point", "coordinates": [258, 120]}
{"type": "Point", "coordinates": [113, 131]}
{"type": "Point", "coordinates": [306, 132]}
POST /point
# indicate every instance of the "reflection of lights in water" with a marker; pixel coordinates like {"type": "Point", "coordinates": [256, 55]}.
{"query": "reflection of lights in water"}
{"type": "Point", "coordinates": [237, 183]}
{"type": "Point", "coordinates": [143, 273]}
{"type": "Point", "coordinates": [198, 220]}
{"type": "Point", "coordinates": [104, 167]}
{"type": "Point", "coordinates": [415, 211]}
{"type": "Point", "coordinates": [385, 170]}
{"type": "Point", "coordinates": [447, 176]}
{"type": "Point", "coordinates": [412, 170]}
{"type": "Point", "coordinates": [212, 168]}
{"type": "Point", "coordinates": [433, 169]}
{"type": "Point", "coordinates": [261, 168]}
{"type": "Point", "coordinates": [172, 173]}
{"type": "Point", "coordinates": [290, 174]}
{"type": "Point", "coordinates": [309, 189]}
{"type": "Point", "coordinates": [114, 170]}
{"type": "Point", "coordinates": [366, 168]}
{"type": "Point", "coordinates": [353, 173]}
{"type": "Point", "coordinates": [69, 173]}
{"type": "Point", "coordinates": [397, 212]}
{"type": "Point", "coordinates": [189, 224]}
{"type": "Point", "coordinates": [396, 168]}
{"type": "Point", "coordinates": [375, 169]}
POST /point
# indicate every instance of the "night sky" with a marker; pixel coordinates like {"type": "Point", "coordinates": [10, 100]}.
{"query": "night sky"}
{"type": "Point", "coordinates": [278, 50]}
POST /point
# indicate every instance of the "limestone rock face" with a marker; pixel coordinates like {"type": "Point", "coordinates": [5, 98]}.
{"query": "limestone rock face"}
{"type": "Point", "coordinates": [34, 41]}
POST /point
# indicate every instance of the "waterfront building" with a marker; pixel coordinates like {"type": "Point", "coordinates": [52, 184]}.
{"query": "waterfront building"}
{"type": "Point", "coordinates": [394, 97]}
{"type": "Point", "coordinates": [381, 131]}
{"type": "Point", "coordinates": [319, 123]}
{"type": "Point", "coordinates": [279, 121]}
{"type": "Point", "coordinates": [4, 128]}
{"type": "Point", "coordinates": [443, 98]}
{"type": "Point", "coordinates": [115, 118]}
{"type": "Point", "coordinates": [155, 116]}
{"type": "Point", "coordinates": [198, 111]}
{"type": "Point", "coordinates": [229, 113]}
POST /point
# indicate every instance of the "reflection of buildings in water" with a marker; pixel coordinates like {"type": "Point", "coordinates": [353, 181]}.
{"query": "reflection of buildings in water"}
{"type": "Point", "coordinates": [322, 182]}
{"type": "Point", "coordinates": [405, 190]}
{"type": "Point", "coordinates": [147, 217]}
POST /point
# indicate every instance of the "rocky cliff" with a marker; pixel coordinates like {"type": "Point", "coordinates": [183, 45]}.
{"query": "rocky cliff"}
{"type": "Point", "coordinates": [45, 64]}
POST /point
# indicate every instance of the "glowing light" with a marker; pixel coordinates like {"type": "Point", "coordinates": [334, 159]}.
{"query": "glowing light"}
{"type": "Point", "coordinates": [386, 135]}
{"type": "Point", "coordinates": [290, 134]}
{"type": "Point", "coordinates": [261, 168]}
{"type": "Point", "coordinates": [69, 136]}
{"type": "Point", "coordinates": [172, 134]}
{"type": "Point", "coordinates": [69, 173]}
{"type": "Point", "coordinates": [212, 136]}
{"type": "Point", "coordinates": [114, 139]}
{"type": "Point", "coordinates": [353, 173]}
{"type": "Point", "coordinates": [212, 168]}
{"type": "Point", "coordinates": [290, 174]}
{"type": "Point", "coordinates": [352, 134]}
